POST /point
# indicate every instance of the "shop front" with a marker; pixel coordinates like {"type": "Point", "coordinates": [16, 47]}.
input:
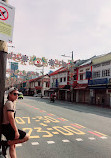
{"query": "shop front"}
{"type": "Point", "coordinates": [82, 93]}
{"type": "Point", "coordinates": [99, 92]}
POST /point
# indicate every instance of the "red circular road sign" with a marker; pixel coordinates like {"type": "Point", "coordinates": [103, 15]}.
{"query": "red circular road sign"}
{"type": "Point", "coordinates": [3, 13]}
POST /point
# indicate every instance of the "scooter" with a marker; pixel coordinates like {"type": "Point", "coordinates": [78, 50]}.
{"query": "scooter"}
{"type": "Point", "coordinates": [52, 99]}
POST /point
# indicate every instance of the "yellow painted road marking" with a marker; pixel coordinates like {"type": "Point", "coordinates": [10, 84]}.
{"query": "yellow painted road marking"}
{"type": "Point", "coordinates": [74, 130]}
{"type": "Point", "coordinates": [43, 124]}
{"type": "Point", "coordinates": [79, 125]}
{"type": "Point", "coordinates": [63, 130]}
{"type": "Point", "coordinates": [100, 133]}
{"type": "Point", "coordinates": [64, 119]}
{"type": "Point", "coordinates": [49, 129]}
{"type": "Point", "coordinates": [39, 129]}
{"type": "Point", "coordinates": [55, 132]}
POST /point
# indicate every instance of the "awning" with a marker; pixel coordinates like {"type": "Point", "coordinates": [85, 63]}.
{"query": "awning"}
{"type": "Point", "coordinates": [61, 86]}
{"type": "Point", "coordinates": [52, 89]}
{"type": "Point", "coordinates": [66, 87]}
{"type": "Point", "coordinates": [38, 87]}
{"type": "Point", "coordinates": [32, 89]}
{"type": "Point", "coordinates": [97, 87]}
{"type": "Point", "coordinates": [81, 86]}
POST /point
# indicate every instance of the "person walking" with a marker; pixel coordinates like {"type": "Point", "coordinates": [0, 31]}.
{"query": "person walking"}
{"type": "Point", "coordinates": [9, 128]}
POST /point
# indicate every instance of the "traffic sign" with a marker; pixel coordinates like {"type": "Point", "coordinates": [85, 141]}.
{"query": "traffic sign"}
{"type": "Point", "coordinates": [7, 13]}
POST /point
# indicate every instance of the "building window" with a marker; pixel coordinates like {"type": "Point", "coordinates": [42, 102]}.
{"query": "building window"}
{"type": "Point", "coordinates": [87, 69]}
{"type": "Point", "coordinates": [64, 79]}
{"type": "Point", "coordinates": [38, 83]}
{"type": "Point", "coordinates": [97, 65]}
{"type": "Point", "coordinates": [96, 74]}
{"type": "Point", "coordinates": [47, 84]}
{"type": "Point", "coordinates": [106, 63]}
{"type": "Point", "coordinates": [60, 79]}
{"type": "Point", "coordinates": [105, 73]}
{"type": "Point", "coordinates": [75, 77]}
{"type": "Point", "coordinates": [81, 76]}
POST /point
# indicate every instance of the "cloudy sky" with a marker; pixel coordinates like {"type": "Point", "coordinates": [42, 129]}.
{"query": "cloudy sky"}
{"type": "Point", "coordinates": [50, 28]}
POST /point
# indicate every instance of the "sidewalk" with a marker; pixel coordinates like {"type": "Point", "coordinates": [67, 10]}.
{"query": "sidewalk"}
{"type": "Point", "coordinates": [82, 106]}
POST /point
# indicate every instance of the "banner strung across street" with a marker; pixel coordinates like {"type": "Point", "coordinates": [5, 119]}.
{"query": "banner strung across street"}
{"type": "Point", "coordinates": [33, 60]}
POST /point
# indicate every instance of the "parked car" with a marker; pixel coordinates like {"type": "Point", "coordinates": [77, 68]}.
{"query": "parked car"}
{"type": "Point", "coordinates": [38, 95]}
{"type": "Point", "coordinates": [20, 95]}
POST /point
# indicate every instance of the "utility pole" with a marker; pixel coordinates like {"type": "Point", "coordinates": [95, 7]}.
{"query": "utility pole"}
{"type": "Point", "coordinates": [3, 60]}
{"type": "Point", "coordinates": [72, 55]}
{"type": "Point", "coordinates": [71, 71]}
{"type": "Point", "coordinates": [71, 88]}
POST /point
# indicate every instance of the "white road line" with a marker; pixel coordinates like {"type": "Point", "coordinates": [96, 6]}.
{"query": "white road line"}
{"type": "Point", "coordinates": [35, 143]}
{"type": "Point", "coordinates": [103, 137]}
{"type": "Point", "coordinates": [79, 139]}
{"type": "Point", "coordinates": [18, 145]}
{"type": "Point", "coordinates": [65, 141]}
{"type": "Point", "coordinates": [91, 138]}
{"type": "Point", "coordinates": [50, 142]}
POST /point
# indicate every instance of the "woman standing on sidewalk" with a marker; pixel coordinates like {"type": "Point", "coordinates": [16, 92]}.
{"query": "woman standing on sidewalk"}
{"type": "Point", "coordinates": [9, 128]}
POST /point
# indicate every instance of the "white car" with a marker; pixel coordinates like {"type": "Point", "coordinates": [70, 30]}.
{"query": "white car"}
{"type": "Point", "coordinates": [38, 95]}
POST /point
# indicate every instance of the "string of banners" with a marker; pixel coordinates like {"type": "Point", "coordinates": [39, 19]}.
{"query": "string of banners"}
{"type": "Point", "coordinates": [33, 60]}
{"type": "Point", "coordinates": [22, 73]}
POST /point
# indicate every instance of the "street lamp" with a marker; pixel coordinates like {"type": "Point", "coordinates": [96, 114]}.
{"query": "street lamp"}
{"type": "Point", "coordinates": [42, 78]}
{"type": "Point", "coordinates": [68, 56]}
{"type": "Point", "coordinates": [71, 70]}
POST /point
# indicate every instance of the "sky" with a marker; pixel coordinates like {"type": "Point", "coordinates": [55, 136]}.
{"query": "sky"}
{"type": "Point", "coordinates": [50, 28]}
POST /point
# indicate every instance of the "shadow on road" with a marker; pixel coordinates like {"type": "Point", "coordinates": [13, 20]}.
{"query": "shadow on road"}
{"type": "Point", "coordinates": [86, 108]}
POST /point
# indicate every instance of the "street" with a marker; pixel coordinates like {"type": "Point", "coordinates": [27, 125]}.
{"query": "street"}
{"type": "Point", "coordinates": [63, 130]}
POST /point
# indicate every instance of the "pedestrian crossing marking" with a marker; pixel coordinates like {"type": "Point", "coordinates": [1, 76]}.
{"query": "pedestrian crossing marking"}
{"type": "Point", "coordinates": [104, 137]}
{"type": "Point", "coordinates": [18, 145]}
{"type": "Point", "coordinates": [79, 139]}
{"type": "Point", "coordinates": [91, 138]}
{"type": "Point", "coordinates": [50, 142]}
{"type": "Point", "coordinates": [35, 143]}
{"type": "Point", "coordinates": [65, 141]}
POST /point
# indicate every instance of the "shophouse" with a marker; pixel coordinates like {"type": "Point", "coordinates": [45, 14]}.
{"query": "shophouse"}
{"type": "Point", "coordinates": [59, 83]}
{"type": "Point", "coordinates": [39, 85]}
{"type": "Point", "coordinates": [34, 86]}
{"type": "Point", "coordinates": [83, 72]}
{"type": "Point", "coordinates": [100, 84]}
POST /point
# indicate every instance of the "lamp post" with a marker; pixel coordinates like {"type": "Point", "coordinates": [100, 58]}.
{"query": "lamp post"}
{"type": "Point", "coordinates": [72, 69]}
{"type": "Point", "coordinates": [3, 60]}
{"type": "Point", "coordinates": [42, 78]}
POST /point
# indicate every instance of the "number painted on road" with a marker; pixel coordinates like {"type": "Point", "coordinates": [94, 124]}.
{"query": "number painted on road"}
{"type": "Point", "coordinates": [30, 130]}
{"type": "Point", "coordinates": [50, 119]}
{"type": "Point", "coordinates": [39, 129]}
{"type": "Point", "coordinates": [74, 130]}
{"type": "Point", "coordinates": [62, 130]}
{"type": "Point", "coordinates": [19, 120]}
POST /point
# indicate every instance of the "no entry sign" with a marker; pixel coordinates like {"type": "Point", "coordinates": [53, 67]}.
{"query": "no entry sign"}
{"type": "Point", "coordinates": [3, 13]}
{"type": "Point", "coordinates": [7, 13]}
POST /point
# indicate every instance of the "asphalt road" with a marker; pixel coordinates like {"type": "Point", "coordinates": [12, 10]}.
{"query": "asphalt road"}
{"type": "Point", "coordinates": [63, 130]}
